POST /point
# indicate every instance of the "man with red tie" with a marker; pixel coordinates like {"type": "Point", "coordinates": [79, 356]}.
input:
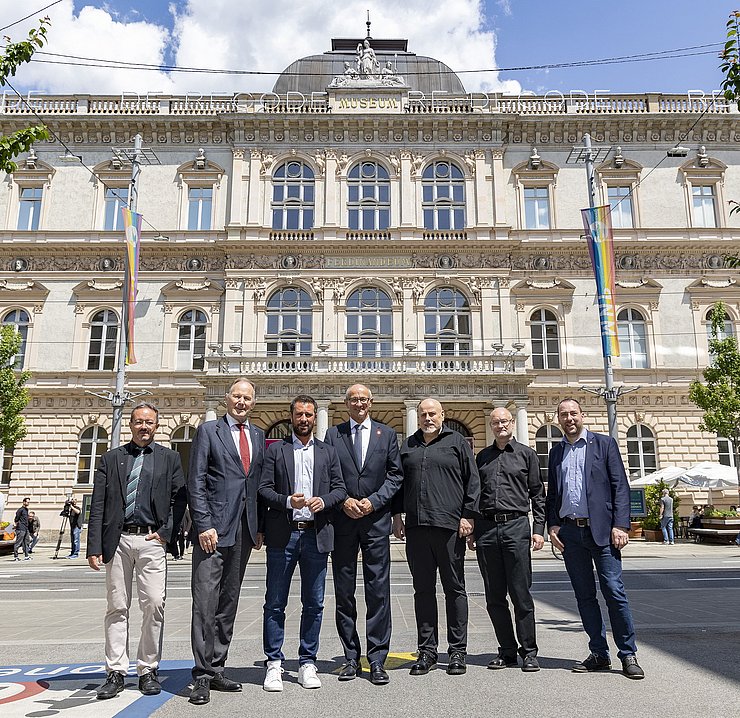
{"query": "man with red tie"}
{"type": "Point", "coordinates": [225, 466]}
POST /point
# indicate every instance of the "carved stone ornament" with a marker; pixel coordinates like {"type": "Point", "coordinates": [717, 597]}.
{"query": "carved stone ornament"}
{"type": "Point", "coordinates": [107, 264]}
{"type": "Point", "coordinates": [194, 264]}
{"type": "Point", "coordinates": [19, 264]}
{"type": "Point", "coordinates": [365, 71]}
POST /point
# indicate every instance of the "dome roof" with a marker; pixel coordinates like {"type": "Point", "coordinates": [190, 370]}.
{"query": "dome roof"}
{"type": "Point", "coordinates": [315, 72]}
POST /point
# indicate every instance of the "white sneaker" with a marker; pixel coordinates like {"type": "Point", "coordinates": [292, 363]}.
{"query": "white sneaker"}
{"type": "Point", "coordinates": [307, 676]}
{"type": "Point", "coordinates": [273, 677]}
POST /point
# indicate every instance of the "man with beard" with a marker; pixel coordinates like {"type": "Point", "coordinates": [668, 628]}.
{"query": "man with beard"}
{"type": "Point", "coordinates": [301, 483]}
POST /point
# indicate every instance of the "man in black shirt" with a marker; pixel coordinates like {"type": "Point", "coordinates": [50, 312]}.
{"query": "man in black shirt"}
{"type": "Point", "coordinates": [21, 530]}
{"type": "Point", "coordinates": [439, 495]}
{"type": "Point", "coordinates": [75, 527]}
{"type": "Point", "coordinates": [510, 481]}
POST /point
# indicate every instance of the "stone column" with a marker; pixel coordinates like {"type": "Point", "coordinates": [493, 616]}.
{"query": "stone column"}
{"type": "Point", "coordinates": [499, 186]}
{"type": "Point", "coordinates": [489, 431]}
{"type": "Point", "coordinates": [331, 184]}
{"type": "Point", "coordinates": [322, 419]}
{"type": "Point", "coordinates": [412, 418]}
{"type": "Point", "coordinates": [235, 188]}
{"type": "Point", "coordinates": [484, 206]}
{"type": "Point", "coordinates": [253, 195]}
{"type": "Point", "coordinates": [408, 194]}
{"type": "Point", "coordinates": [522, 424]}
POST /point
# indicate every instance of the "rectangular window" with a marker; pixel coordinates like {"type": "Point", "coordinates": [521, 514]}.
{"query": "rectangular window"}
{"type": "Point", "coordinates": [703, 206]}
{"type": "Point", "coordinates": [29, 209]}
{"type": "Point", "coordinates": [536, 208]}
{"type": "Point", "coordinates": [200, 202]}
{"type": "Point", "coordinates": [115, 198]}
{"type": "Point", "coordinates": [620, 201]}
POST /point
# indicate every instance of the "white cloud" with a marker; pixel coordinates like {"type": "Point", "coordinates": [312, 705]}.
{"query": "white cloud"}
{"type": "Point", "coordinates": [258, 35]}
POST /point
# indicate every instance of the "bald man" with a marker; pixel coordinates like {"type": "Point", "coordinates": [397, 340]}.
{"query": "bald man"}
{"type": "Point", "coordinates": [510, 482]}
{"type": "Point", "coordinates": [439, 496]}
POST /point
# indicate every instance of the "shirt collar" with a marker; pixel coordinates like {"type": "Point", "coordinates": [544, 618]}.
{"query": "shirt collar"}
{"type": "Point", "coordinates": [365, 424]}
{"type": "Point", "coordinates": [233, 422]}
{"type": "Point", "coordinates": [298, 444]}
{"type": "Point", "coordinates": [583, 435]}
{"type": "Point", "coordinates": [136, 449]}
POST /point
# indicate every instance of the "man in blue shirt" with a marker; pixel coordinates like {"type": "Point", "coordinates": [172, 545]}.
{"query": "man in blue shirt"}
{"type": "Point", "coordinates": [588, 518]}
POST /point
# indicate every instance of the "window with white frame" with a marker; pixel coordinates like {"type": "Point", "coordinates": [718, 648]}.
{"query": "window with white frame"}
{"type": "Point", "coordinates": [93, 444]}
{"type": "Point", "coordinates": [545, 336]}
{"type": "Point", "coordinates": [632, 333]}
{"type": "Point", "coordinates": [724, 330]}
{"type": "Point", "coordinates": [369, 196]}
{"type": "Point", "coordinates": [19, 319]}
{"type": "Point", "coordinates": [191, 340]}
{"type": "Point", "coordinates": [369, 323]}
{"type": "Point", "coordinates": [293, 196]}
{"type": "Point", "coordinates": [200, 206]}
{"type": "Point", "coordinates": [703, 205]}
{"type": "Point", "coordinates": [443, 196]}
{"type": "Point", "coordinates": [641, 455]}
{"type": "Point", "coordinates": [547, 436]}
{"type": "Point", "coordinates": [29, 208]}
{"type": "Point", "coordinates": [115, 199]}
{"type": "Point", "coordinates": [181, 442]}
{"type": "Point", "coordinates": [289, 319]}
{"type": "Point", "coordinates": [6, 465]}
{"type": "Point", "coordinates": [725, 451]}
{"type": "Point", "coordinates": [620, 203]}
{"type": "Point", "coordinates": [536, 207]}
{"type": "Point", "coordinates": [447, 323]}
{"type": "Point", "coordinates": [103, 338]}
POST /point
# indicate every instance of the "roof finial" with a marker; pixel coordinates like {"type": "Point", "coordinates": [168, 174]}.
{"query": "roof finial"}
{"type": "Point", "coordinates": [368, 23]}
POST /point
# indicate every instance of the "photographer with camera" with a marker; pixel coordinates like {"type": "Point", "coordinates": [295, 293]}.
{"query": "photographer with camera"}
{"type": "Point", "coordinates": [74, 514]}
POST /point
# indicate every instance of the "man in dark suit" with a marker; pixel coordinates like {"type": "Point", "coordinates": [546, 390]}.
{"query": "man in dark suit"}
{"type": "Point", "coordinates": [371, 468]}
{"type": "Point", "coordinates": [588, 515]}
{"type": "Point", "coordinates": [137, 489]}
{"type": "Point", "coordinates": [225, 464]}
{"type": "Point", "coordinates": [301, 484]}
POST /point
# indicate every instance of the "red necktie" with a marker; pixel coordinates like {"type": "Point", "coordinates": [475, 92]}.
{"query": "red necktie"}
{"type": "Point", "coordinates": [244, 449]}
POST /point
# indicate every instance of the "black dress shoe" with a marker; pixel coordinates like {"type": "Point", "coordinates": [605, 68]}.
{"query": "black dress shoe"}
{"type": "Point", "coordinates": [424, 664]}
{"type": "Point", "coordinates": [378, 674]}
{"type": "Point", "coordinates": [350, 670]}
{"type": "Point", "coordinates": [201, 693]}
{"type": "Point", "coordinates": [220, 682]}
{"type": "Point", "coordinates": [631, 668]}
{"type": "Point", "coordinates": [149, 684]}
{"type": "Point", "coordinates": [501, 662]}
{"type": "Point", "coordinates": [592, 663]}
{"type": "Point", "coordinates": [530, 664]}
{"type": "Point", "coordinates": [112, 687]}
{"type": "Point", "coordinates": [456, 664]}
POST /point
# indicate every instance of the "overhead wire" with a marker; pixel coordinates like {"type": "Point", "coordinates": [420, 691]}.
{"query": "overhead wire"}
{"type": "Point", "coordinates": [30, 15]}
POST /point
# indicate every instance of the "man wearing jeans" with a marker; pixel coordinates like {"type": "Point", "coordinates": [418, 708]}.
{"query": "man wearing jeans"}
{"type": "Point", "coordinates": [75, 527]}
{"type": "Point", "coordinates": [301, 482]}
{"type": "Point", "coordinates": [666, 517]}
{"type": "Point", "coordinates": [588, 513]}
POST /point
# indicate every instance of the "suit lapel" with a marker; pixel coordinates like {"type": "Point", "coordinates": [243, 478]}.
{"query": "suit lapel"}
{"type": "Point", "coordinates": [346, 431]}
{"type": "Point", "coordinates": [374, 439]}
{"type": "Point", "coordinates": [318, 463]}
{"type": "Point", "coordinates": [122, 468]}
{"type": "Point", "coordinates": [589, 460]}
{"type": "Point", "coordinates": [289, 464]}
{"type": "Point", "coordinates": [256, 448]}
{"type": "Point", "coordinates": [223, 431]}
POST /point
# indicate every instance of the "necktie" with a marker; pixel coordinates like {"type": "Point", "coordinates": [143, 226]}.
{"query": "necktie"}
{"type": "Point", "coordinates": [358, 445]}
{"type": "Point", "coordinates": [244, 449]}
{"type": "Point", "coordinates": [132, 485]}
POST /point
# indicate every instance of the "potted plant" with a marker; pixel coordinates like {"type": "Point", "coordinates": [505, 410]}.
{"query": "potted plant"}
{"type": "Point", "coordinates": [717, 518]}
{"type": "Point", "coordinates": [651, 523]}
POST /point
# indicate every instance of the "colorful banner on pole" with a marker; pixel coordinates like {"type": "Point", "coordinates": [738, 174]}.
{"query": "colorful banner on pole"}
{"type": "Point", "coordinates": [132, 227]}
{"type": "Point", "coordinates": [597, 222]}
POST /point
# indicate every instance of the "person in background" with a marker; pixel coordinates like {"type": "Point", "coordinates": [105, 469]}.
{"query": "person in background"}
{"type": "Point", "coordinates": [666, 517]}
{"type": "Point", "coordinates": [75, 527]}
{"type": "Point", "coordinates": [21, 530]}
{"type": "Point", "coordinates": [34, 525]}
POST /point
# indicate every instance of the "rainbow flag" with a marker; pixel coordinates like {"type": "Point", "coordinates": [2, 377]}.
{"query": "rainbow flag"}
{"type": "Point", "coordinates": [597, 222]}
{"type": "Point", "coordinates": [132, 227]}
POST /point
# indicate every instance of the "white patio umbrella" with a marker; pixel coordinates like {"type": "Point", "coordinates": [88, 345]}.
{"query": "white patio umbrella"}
{"type": "Point", "coordinates": [707, 475]}
{"type": "Point", "coordinates": [666, 473]}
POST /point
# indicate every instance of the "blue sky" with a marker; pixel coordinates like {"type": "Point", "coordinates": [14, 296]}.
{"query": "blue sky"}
{"type": "Point", "coordinates": [466, 34]}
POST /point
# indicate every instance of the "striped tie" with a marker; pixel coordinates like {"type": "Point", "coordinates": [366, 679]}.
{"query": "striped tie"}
{"type": "Point", "coordinates": [133, 485]}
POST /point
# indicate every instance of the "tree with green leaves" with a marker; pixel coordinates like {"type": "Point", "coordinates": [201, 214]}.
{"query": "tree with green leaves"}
{"type": "Point", "coordinates": [719, 395]}
{"type": "Point", "coordinates": [730, 85]}
{"type": "Point", "coordinates": [15, 55]}
{"type": "Point", "coordinates": [13, 394]}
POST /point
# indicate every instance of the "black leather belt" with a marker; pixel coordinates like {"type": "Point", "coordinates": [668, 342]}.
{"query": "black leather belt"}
{"type": "Point", "coordinates": [135, 530]}
{"type": "Point", "coordinates": [302, 525]}
{"type": "Point", "coordinates": [501, 517]}
{"type": "Point", "coordinates": [581, 523]}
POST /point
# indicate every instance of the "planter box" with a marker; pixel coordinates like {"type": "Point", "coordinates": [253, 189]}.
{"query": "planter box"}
{"type": "Point", "coordinates": [720, 523]}
{"type": "Point", "coordinates": [653, 535]}
{"type": "Point", "coordinates": [635, 529]}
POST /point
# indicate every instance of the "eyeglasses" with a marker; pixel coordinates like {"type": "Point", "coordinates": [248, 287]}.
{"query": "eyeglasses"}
{"type": "Point", "coordinates": [360, 400]}
{"type": "Point", "coordinates": [501, 422]}
{"type": "Point", "coordinates": [143, 422]}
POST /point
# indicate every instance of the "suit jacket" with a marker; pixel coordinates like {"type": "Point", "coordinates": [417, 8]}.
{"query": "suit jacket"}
{"type": "Point", "coordinates": [606, 486]}
{"type": "Point", "coordinates": [108, 503]}
{"type": "Point", "coordinates": [377, 480]}
{"type": "Point", "coordinates": [278, 483]}
{"type": "Point", "coordinates": [219, 492]}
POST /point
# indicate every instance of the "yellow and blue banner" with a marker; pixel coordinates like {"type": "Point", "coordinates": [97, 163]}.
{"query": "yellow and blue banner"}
{"type": "Point", "coordinates": [597, 222]}
{"type": "Point", "coordinates": [132, 228]}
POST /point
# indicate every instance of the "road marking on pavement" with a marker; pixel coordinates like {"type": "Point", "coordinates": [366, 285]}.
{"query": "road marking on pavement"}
{"type": "Point", "coordinates": [37, 590]}
{"type": "Point", "coordinates": [719, 578]}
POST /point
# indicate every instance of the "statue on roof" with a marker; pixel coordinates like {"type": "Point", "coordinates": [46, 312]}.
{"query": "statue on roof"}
{"type": "Point", "coordinates": [366, 71]}
{"type": "Point", "coordinates": [367, 62]}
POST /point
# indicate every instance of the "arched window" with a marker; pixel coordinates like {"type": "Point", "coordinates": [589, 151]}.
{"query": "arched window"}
{"type": "Point", "coordinates": [447, 323]}
{"type": "Point", "coordinates": [191, 340]}
{"type": "Point", "coordinates": [546, 437]}
{"type": "Point", "coordinates": [458, 426]}
{"type": "Point", "coordinates": [443, 196]}
{"type": "Point", "coordinates": [369, 188]}
{"type": "Point", "coordinates": [543, 328]}
{"type": "Point", "coordinates": [632, 339]}
{"type": "Point", "coordinates": [19, 319]}
{"type": "Point", "coordinates": [725, 451]}
{"type": "Point", "coordinates": [180, 441]}
{"type": "Point", "coordinates": [289, 323]}
{"type": "Point", "coordinates": [93, 444]}
{"type": "Point", "coordinates": [641, 450]}
{"type": "Point", "coordinates": [280, 430]}
{"type": "Point", "coordinates": [369, 323]}
{"type": "Point", "coordinates": [293, 196]}
{"type": "Point", "coordinates": [103, 337]}
{"type": "Point", "coordinates": [726, 329]}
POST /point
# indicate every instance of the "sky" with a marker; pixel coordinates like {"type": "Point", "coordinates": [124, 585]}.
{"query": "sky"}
{"type": "Point", "coordinates": [264, 37]}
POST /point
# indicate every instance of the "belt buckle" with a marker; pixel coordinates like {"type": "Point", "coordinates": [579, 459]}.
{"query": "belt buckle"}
{"type": "Point", "coordinates": [302, 525]}
{"type": "Point", "coordinates": [582, 523]}
{"type": "Point", "coordinates": [500, 518]}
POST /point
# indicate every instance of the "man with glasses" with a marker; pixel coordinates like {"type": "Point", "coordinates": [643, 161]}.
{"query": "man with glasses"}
{"type": "Point", "coordinates": [510, 482]}
{"type": "Point", "coordinates": [371, 467]}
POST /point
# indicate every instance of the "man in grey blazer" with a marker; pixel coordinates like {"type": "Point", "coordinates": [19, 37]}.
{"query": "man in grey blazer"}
{"type": "Point", "coordinates": [371, 468]}
{"type": "Point", "coordinates": [225, 465]}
